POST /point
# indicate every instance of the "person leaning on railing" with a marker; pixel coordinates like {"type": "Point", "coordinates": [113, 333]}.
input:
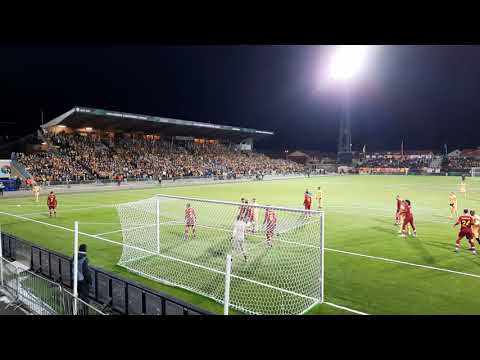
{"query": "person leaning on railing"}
{"type": "Point", "coordinates": [84, 280]}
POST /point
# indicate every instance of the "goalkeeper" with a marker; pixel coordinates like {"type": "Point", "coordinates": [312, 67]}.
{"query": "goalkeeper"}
{"type": "Point", "coordinates": [238, 236]}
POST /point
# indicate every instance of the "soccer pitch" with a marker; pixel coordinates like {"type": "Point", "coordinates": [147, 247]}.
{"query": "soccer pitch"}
{"type": "Point", "coordinates": [368, 267]}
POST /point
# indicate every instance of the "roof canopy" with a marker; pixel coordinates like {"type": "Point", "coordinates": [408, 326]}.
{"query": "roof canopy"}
{"type": "Point", "coordinates": [81, 117]}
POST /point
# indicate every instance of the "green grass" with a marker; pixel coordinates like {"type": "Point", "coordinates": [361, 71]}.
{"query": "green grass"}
{"type": "Point", "coordinates": [359, 219]}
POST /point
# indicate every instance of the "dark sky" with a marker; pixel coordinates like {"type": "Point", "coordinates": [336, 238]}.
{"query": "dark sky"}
{"type": "Point", "coordinates": [425, 95]}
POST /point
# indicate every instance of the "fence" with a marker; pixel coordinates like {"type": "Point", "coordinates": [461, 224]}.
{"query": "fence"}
{"type": "Point", "coordinates": [111, 292]}
{"type": "Point", "coordinates": [40, 295]}
{"type": "Point", "coordinates": [151, 179]}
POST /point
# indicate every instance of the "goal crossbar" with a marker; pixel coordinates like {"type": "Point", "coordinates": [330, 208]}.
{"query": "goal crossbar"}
{"type": "Point", "coordinates": [234, 203]}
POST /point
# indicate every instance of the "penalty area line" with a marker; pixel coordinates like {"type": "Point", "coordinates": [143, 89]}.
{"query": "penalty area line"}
{"type": "Point", "coordinates": [403, 262]}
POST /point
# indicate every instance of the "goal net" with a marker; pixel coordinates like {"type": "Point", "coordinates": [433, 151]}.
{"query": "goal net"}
{"type": "Point", "coordinates": [475, 171]}
{"type": "Point", "coordinates": [276, 268]}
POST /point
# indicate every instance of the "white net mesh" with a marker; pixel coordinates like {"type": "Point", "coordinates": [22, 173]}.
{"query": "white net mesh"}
{"type": "Point", "coordinates": [475, 171]}
{"type": "Point", "coordinates": [277, 260]}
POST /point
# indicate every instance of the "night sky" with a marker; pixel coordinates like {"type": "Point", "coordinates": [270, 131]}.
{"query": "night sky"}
{"type": "Point", "coordinates": [424, 95]}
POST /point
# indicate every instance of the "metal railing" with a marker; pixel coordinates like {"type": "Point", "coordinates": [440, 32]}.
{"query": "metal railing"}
{"type": "Point", "coordinates": [40, 295]}
{"type": "Point", "coordinates": [108, 292]}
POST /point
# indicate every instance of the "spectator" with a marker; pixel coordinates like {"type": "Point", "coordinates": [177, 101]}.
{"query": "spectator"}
{"type": "Point", "coordinates": [18, 183]}
{"type": "Point", "coordinates": [84, 280]}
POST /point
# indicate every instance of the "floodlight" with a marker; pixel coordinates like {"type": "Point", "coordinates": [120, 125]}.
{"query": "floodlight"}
{"type": "Point", "coordinates": [347, 62]}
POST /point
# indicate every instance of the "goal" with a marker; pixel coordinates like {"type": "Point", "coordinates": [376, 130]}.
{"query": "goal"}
{"type": "Point", "coordinates": [283, 277]}
{"type": "Point", "coordinates": [475, 171]}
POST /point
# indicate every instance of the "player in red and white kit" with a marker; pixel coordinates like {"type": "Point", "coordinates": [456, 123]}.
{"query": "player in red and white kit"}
{"type": "Point", "coordinates": [466, 221]}
{"type": "Point", "coordinates": [408, 220]}
{"type": "Point", "coordinates": [307, 201]}
{"type": "Point", "coordinates": [243, 209]}
{"type": "Point", "coordinates": [52, 204]}
{"type": "Point", "coordinates": [249, 217]}
{"type": "Point", "coordinates": [190, 221]}
{"type": "Point", "coordinates": [270, 224]}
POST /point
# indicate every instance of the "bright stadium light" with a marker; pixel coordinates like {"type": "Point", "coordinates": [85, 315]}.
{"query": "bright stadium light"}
{"type": "Point", "coordinates": [347, 62]}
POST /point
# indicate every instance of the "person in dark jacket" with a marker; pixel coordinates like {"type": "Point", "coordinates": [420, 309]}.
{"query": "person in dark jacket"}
{"type": "Point", "coordinates": [84, 276]}
{"type": "Point", "coordinates": [18, 183]}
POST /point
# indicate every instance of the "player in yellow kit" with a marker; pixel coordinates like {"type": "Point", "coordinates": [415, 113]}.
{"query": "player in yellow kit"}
{"type": "Point", "coordinates": [36, 191]}
{"type": "Point", "coordinates": [475, 226]}
{"type": "Point", "coordinates": [319, 197]}
{"type": "Point", "coordinates": [452, 201]}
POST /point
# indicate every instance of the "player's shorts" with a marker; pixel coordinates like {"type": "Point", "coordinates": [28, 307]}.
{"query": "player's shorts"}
{"type": "Point", "coordinates": [308, 206]}
{"type": "Point", "coordinates": [452, 205]}
{"type": "Point", "coordinates": [51, 207]}
{"type": "Point", "coordinates": [190, 223]}
{"type": "Point", "coordinates": [237, 243]}
{"type": "Point", "coordinates": [465, 233]}
{"type": "Point", "coordinates": [407, 221]}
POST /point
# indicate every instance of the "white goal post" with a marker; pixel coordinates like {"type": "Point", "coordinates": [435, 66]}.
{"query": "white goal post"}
{"type": "Point", "coordinates": [475, 171]}
{"type": "Point", "coordinates": [276, 256]}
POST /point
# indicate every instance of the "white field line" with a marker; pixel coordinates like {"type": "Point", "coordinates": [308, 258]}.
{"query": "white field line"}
{"type": "Point", "coordinates": [167, 257]}
{"type": "Point", "coordinates": [345, 308]}
{"type": "Point", "coordinates": [253, 281]}
{"type": "Point", "coordinates": [116, 231]}
{"type": "Point", "coordinates": [370, 256]}
{"type": "Point", "coordinates": [80, 232]}
{"type": "Point", "coordinates": [134, 228]}
{"type": "Point", "coordinates": [404, 263]}
{"type": "Point", "coordinates": [314, 246]}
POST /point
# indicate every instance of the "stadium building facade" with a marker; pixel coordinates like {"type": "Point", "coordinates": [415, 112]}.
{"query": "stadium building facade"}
{"type": "Point", "coordinates": [108, 123]}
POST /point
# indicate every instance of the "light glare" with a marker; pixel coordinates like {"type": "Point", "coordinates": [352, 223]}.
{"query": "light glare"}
{"type": "Point", "coordinates": [347, 61]}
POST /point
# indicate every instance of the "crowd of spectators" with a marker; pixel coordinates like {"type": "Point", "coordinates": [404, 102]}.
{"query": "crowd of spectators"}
{"type": "Point", "coordinates": [462, 163]}
{"type": "Point", "coordinates": [415, 163]}
{"type": "Point", "coordinates": [76, 157]}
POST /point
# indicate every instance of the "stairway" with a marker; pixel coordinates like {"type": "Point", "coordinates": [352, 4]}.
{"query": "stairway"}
{"type": "Point", "coordinates": [19, 170]}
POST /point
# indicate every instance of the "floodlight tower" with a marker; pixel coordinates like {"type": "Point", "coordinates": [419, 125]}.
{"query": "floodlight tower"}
{"type": "Point", "coordinates": [344, 66]}
{"type": "Point", "coordinates": [344, 145]}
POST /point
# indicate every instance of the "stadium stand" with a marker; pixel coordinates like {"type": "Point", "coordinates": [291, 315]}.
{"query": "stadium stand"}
{"type": "Point", "coordinates": [144, 147]}
{"type": "Point", "coordinates": [86, 158]}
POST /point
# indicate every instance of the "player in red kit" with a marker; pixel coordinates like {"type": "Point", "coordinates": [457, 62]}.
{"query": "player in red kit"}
{"type": "Point", "coordinates": [466, 222]}
{"type": "Point", "coordinates": [190, 221]}
{"type": "Point", "coordinates": [307, 201]}
{"type": "Point", "coordinates": [249, 216]}
{"type": "Point", "coordinates": [270, 223]}
{"type": "Point", "coordinates": [408, 220]}
{"type": "Point", "coordinates": [52, 204]}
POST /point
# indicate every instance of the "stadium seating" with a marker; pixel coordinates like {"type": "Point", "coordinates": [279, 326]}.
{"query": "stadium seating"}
{"type": "Point", "coordinates": [79, 158]}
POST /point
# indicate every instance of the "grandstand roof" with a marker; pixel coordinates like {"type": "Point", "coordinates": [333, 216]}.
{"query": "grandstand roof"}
{"type": "Point", "coordinates": [81, 117]}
